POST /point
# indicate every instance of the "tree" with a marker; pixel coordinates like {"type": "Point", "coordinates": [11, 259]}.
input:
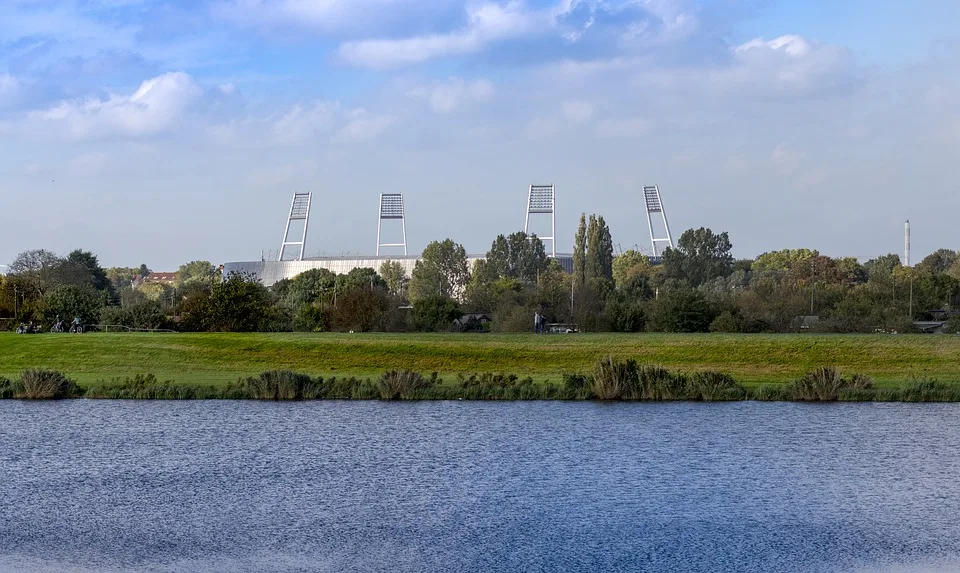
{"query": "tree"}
{"type": "Point", "coordinates": [599, 260]}
{"type": "Point", "coordinates": [36, 269]}
{"type": "Point", "coordinates": [783, 260]}
{"type": "Point", "coordinates": [434, 313]}
{"type": "Point", "coordinates": [395, 276]}
{"type": "Point", "coordinates": [360, 308]}
{"type": "Point", "coordinates": [238, 304]}
{"type": "Point", "coordinates": [680, 310]}
{"type": "Point", "coordinates": [364, 277]}
{"type": "Point", "coordinates": [68, 301]}
{"type": "Point", "coordinates": [441, 271]}
{"type": "Point", "coordinates": [699, 257]}
{"type": "Point", "coordinates": [628, 265]}
{"type": "Point", "coordinates": [519, 256]}
{"type": "Point", "coordinates": [580, 253]}
{"type": "Point", "coordinates": [201, 272]}
{"type": "Point", "coordinates": [88, 262]}
{"type": "Point", "coordinates": [938, 261]}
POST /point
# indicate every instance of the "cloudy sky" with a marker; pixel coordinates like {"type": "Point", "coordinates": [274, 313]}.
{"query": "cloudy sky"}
{"type": "Point", "coordinates": [162, 131]}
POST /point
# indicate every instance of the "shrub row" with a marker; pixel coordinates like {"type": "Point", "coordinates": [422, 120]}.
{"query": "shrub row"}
{"type": "Point", "coordinates": [612, 379]}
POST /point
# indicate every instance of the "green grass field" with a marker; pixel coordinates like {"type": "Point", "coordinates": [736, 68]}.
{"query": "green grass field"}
{"type": "Point", "coordinates": [221, 358]}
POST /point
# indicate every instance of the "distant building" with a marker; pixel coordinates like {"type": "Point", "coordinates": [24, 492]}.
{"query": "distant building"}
{"type": "Point", "coordinates": [165, 278]}
{"type": "Point", "coordinates": [471, 322]}
{"type": "Point", "coordinates": [269, 272]}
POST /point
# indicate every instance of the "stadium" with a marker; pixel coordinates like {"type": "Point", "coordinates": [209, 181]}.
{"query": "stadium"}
{"type": "Point", "coordinates": [541, 203]}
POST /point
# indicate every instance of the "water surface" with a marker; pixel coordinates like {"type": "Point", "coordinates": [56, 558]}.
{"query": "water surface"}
{"type": "Point", "coordinates": [122, 486]}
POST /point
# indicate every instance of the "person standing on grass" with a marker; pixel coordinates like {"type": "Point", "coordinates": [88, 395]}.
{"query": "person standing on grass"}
{"type": "Point", "coordinates": [536, 322]}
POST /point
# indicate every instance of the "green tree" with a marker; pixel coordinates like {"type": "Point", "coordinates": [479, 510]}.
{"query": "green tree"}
{"type": "Point", "coordinates": [599, 260]}
{"type": "Point", "coordinates": [69, 301]}
{"type": "Point", "coordinates": [434, 313]}
{"type": "Point", "coordinates": [519, 256]}
{"type": "Point", "coordinates": [628, 265]}
{"type": "Point", "coordinates": [395, 276]}
{"type": "Point", "coordinates": [784, 259]}
{"type": "Point", "coordinates": [938, 262]}
{"type": "Point", "coordinates": [580, 253]}
{"type": "Point", "coordinates": [88, 262]}
{"type": "Point", "coordinates": [680, 310]}
{"type": "Point", "coordinates": [238, 304]}
{"type": "Point", "coordinates": [441, 271]}
{"type": "Point", "coordinates": [360, 308]}
{"type": "Point", "coordinates": [196, 272]}
{"type": "Point", "coordinates": [36, 270]}
{"type": "Point", "coordinates": [700, 256]}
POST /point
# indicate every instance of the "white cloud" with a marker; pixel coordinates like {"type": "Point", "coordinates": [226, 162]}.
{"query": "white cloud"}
{"type": "Point", "coordinates": [362, 126]}
{"type": "Point", "coordinates": [578, 111]}
{"type": "Point", "coordinates": [448, 95]}
{"type": "Point", "coordinates": [304, 122]}
{"type": "Point", "coordinates": [155, 107]}
{"type": "Point", "coordinates": [487, 23]}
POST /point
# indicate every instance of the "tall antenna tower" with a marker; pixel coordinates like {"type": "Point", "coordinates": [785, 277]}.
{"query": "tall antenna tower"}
{"type": "Point", "coordinates": [299, 211]}
{"type": "Point", "coordinates": [906, 243]}
{"type": "Point", "coordinates": [391, 207]}
{"type": "Point", "coordinates": [541, 200]}
{"type": "Point", "coordinates": [651, 196]}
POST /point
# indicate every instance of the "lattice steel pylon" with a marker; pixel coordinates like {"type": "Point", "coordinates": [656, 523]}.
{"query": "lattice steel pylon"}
{"type": "Point", "coordinates": [541, 200]}
{"type": "Point", "coordinates": [299, 211]}
{"type": "Point", "coordinates": [391, 207]}
{"type": "Point", "coordinates": [654, 204]}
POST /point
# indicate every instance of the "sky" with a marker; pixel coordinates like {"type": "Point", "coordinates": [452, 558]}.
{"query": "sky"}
{"type": "Point", "coordinates": [165, 131]}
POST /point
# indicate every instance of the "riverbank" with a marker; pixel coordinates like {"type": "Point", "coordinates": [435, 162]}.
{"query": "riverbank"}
{"type": "Point", "coordinates": [220, 359]}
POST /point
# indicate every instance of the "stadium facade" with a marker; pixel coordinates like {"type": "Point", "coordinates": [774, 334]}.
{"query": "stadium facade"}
{"type": "Point", "coordinates": [271, 272]}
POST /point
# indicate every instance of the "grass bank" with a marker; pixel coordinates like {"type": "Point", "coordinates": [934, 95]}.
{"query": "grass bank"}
{"type": "Point", "coordinates": [220, 359]}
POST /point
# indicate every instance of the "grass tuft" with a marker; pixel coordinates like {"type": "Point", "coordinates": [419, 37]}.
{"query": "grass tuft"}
{"type": "Point", "coordinates": [403, 385]}
{"type": "Point", "coordinates": [41, 384]}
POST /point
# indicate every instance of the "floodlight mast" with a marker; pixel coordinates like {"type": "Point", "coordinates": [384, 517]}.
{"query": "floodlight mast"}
{"type": "Point", "coordinates": [391, 207]}
{"type": "Point", "coordinates": [654, 204]}
{"type": "Point", "coordinates": [299, 211]}
{"type": "Point", "coordinates": [541, 200]}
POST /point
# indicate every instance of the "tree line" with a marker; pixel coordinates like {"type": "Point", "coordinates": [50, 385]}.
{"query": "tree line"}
{"type": "Point", "coordinates": [697, 286]}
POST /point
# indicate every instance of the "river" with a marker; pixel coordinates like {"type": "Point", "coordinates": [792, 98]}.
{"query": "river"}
{"type": "Point", "coordinates": [123, 486]}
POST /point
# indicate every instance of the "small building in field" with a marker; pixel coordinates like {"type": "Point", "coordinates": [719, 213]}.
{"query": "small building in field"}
{"type": "Point", "coordinates": [472, 322]}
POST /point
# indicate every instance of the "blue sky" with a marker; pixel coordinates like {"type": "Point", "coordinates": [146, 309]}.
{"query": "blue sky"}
{"type": "Point", "coordinates": [166, 131]}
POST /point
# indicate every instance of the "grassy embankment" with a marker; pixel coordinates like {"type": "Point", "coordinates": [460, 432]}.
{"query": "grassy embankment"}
{"type": "Point", "coordinates": [223, 358]}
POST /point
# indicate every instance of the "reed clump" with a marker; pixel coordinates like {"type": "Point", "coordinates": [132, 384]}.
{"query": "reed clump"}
{"type": "Point", "coordinates": [499, 386]}
{"type": "Point", "coordinates": [613, 378]}
{"type": "Point", "coordinates": [281, 385]}
{"type": "Point", "coordinates": [42, 384]}
{"type": "Point", "coordinates": [404, 385]}
{"type": "Point", "coordinates": [147, 387]}
{"type": "Point", "coordinates": [576, 386]}
{"type": "Point", "coordinates": [655, 382]}
{"type": "Point", "coordinates": [713, 386]}
{"type": "Point", "coordinates": [827, 384]}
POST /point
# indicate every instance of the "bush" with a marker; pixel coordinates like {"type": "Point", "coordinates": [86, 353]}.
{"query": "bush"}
{"type": "Point", "coordinates": [147, 387]}
{"type": "Point", "coordinates": [826, 384]}
{"type": "Point", "coordinates": [434, 313]}
{"type": "Point", "coordinates": [496, 386]}
{"type": "Point", "coordinates": [6, 388]}
{"type": "Point", "coordinates": [613, 379]}
{"type": "Point", "coordinates": [658, 383]}
{"type": "Point", "coordinates": [714, 386]}
{"type": "Point", "coordinates": [576, 386]}
{"type": "Point", "coordinates": [725, 322]}
{"type": "Point", "coordinates": [281, 385]}
{"type": "Point", "coordinates": [927, 390]}
{"type": "Point", "coordinates": [40, 384]}
{"type": "Point", "coordinates": [403, 385]}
